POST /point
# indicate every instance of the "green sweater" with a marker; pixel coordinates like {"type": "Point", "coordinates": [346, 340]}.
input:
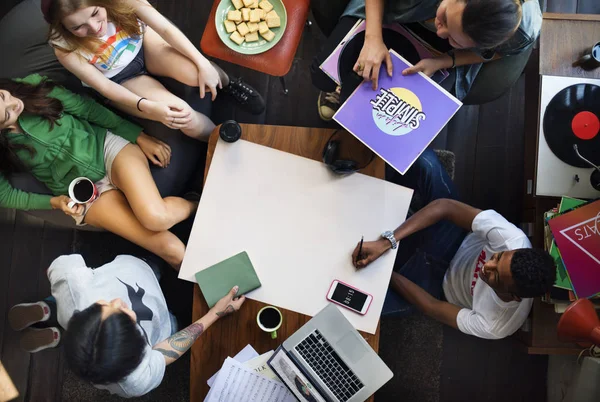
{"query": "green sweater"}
{"type": "Point", "coordinates": [73, 148]}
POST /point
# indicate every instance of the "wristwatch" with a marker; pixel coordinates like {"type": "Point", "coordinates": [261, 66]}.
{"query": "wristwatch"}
{"type": "Point", "coordinates": [390, 236]}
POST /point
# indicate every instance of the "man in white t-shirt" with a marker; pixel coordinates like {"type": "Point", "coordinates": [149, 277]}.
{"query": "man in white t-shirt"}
{"type": "Point", "coordinates": [488, 276]}
{"type": "Point", "coordinates": [119, 333]}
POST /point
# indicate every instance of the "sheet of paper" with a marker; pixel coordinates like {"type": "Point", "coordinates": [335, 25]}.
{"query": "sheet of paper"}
{"type": "Point", "coordinates": [238, 383]}
{"type": "Point", "coordinates": [299, 223]}
{"type": "Point", "coordinates": [245, 355]}
{"type": "Point", "coordinates": [260, 366]}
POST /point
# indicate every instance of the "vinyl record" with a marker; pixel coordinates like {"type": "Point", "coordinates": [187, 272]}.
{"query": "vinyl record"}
{"type": "Point", "coordinates": [573, 117]}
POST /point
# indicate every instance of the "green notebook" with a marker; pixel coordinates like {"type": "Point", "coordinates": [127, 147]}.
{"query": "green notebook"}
{"type": "Point", "coordinates": [217, 280]}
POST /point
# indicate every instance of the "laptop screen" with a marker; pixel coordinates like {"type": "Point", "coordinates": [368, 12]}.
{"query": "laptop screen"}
{"type": "Point", "coordinates": [293, 378]}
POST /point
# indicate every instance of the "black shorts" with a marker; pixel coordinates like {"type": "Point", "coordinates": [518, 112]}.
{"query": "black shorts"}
{"type": "Point", "coordinates": [136, 68]}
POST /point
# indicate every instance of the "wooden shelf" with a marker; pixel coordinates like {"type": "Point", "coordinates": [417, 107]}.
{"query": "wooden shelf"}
{"type": "Point", "coordinates": [564, 38]}
{"type": "Point", "coordinates": [542, 339]}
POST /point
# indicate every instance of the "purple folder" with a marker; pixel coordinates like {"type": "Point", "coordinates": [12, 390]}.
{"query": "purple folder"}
{"type": "Point", "coordinates": [401, 118]}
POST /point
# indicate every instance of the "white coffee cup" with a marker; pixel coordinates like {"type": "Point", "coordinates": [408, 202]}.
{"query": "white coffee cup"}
{"type": "Point", "coordinates": [81, 191]}
{"type": "Point", "coordinates": [275, 317]}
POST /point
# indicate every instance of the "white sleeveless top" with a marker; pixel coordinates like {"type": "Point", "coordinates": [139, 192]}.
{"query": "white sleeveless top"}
{"type": "Point", "coordinates": [119, 48]}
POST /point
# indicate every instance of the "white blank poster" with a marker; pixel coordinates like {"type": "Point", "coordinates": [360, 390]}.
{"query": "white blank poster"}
{"type": "Point", "coordinates": [298, 222]}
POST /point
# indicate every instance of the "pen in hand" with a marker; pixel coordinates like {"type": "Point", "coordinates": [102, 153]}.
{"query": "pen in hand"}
{"type": "Point", "coordinates": [359, 255]}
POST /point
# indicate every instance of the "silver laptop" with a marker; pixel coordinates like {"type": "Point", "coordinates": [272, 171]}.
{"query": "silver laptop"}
{"type": "Point", "coordinates": [328, 360]}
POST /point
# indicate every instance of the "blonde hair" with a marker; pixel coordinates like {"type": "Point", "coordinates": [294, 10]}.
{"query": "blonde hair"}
{"type": "Point", "coordinates": [118, 12]}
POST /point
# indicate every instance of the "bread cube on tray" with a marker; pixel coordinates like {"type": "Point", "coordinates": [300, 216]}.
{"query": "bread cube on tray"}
{"type": "Point", "coordinates": [235, 16]}
{"type": "Point", "coordinates": [237, 38]}
{"type": "Point", "coordinates": [251, 18]}
{"type": "Point", "coordinates": [269, 35]}
{"type": "Point", "coordinates": [265, 5]}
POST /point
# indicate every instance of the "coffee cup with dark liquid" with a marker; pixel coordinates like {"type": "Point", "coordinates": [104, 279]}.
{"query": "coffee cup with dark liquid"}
{"type": "Point", "coordinates": [269, 319]}
{"type": "Point", "coordinates": [81, 191]}
{"type": "Point", "coordinates": [590, 60]}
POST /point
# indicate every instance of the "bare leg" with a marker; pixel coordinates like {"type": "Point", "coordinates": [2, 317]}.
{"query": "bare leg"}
{"type": "Point", "coordinates": [160, 58]}
{"type": "Point", "coordinates": [131, 174]}
{"type": "Point", "coordinates": [112, 212]}
{"type": "Point", "coordinates": [148, 87]}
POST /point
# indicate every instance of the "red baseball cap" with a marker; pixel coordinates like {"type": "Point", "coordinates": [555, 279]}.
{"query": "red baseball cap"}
{"type": "Point", "coordinates": [46, 4]}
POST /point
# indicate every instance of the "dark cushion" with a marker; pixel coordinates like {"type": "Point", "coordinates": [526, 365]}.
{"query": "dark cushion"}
{"type": "Point", "coordinates": [508, 69]}
{"type": "Point", "coordinates": [24, 47]}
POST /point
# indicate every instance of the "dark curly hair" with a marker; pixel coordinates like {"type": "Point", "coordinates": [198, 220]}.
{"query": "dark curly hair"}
{"type": "Point", "coordinates": [533, 272]}
{"type": "Point", "coordinates": [491, 22]}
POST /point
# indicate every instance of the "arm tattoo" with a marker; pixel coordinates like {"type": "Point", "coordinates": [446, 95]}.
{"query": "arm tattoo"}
{"type": "Point", "coordinates": [228, 310]}
{"type": "Point", "coordinates": [182, 340]}
{"type": "Point", "coordinates": [169, 353]}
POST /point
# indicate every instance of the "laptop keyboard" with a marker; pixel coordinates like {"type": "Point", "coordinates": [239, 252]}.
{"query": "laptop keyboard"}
{"type": "Point", "coordinates": [330, 368]}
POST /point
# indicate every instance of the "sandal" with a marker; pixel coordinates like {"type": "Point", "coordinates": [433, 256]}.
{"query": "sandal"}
{"type": "Point", "coordinates": [24, 315]}
{"type": "Point", "coordinates": [34, 340]}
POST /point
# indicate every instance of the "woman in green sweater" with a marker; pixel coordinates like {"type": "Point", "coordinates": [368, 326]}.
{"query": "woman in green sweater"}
{"type": "Point", "coordinates": [59, 136]}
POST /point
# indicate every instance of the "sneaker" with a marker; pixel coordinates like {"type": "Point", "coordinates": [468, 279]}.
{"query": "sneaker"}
{"type": "Point", "coordinates": [248, 98]}
{"type": "Point", "coordinates": [329, 103]}
{"type": "Point", "coordinates": [24, 315]}
{"type": "Point", "coordinates": [34, 340]}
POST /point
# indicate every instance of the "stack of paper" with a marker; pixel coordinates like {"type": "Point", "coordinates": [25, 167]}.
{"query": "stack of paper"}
{"type": "Point", "coordinates": [247, 377]}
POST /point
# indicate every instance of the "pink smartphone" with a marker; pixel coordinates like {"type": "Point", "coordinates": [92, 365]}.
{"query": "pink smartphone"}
{"type": "Point", "coordinates": [347, 296]}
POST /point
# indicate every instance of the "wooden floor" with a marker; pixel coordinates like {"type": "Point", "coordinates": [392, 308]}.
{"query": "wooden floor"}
{"type": "Point", "coordinates": [487, 141]}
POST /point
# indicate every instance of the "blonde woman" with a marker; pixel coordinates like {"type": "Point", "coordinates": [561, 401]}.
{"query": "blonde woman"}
{"type": "Point", "coordinates": [117, 46]}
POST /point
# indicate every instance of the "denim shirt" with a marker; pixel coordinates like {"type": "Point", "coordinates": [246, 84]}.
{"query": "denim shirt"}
{"type": "Point", "coordinates": [407, 11]}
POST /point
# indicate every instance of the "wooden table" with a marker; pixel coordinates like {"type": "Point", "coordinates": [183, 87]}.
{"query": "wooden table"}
{"type": "Point", "coordinates": [564, 38]}
{"type": "Point", "coordinates": [229, 335]}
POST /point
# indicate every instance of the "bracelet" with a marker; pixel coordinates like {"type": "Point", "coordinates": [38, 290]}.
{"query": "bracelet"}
{"type": "Point", "coordinates": [388, 234]}
{"type": "Point", "coordinates": [138, 104]}
{"type": "Point", "coordinates": [451, 54]}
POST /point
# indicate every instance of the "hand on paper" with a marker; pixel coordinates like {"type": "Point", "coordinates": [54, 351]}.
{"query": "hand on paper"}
{"type": "Point", "coordinates": [371, 250]}
{"type": "Point", "coordinates": [229, 304]}
{"type": "Point", "coordinates": [373, 53]}
{"type": "Point", "coordinates": [428, 66]}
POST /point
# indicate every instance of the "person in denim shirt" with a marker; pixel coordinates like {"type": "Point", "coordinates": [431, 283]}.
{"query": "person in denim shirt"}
{"type": "Point", "coordinates": [493, 29]}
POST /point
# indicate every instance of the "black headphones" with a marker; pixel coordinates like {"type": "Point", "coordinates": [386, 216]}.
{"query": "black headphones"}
{"type": "Point", "coordinates": [340, 166]}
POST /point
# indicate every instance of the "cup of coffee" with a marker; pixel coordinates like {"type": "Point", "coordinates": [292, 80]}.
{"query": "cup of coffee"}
{"type": "Point", "coordinates": [590, 60]}
{"type": "Point", "coordinates": [230, 131]}
{"type": "Point", "coordinates": [269, 319]}
{"type": "Point", "coordinates": [82, 190]}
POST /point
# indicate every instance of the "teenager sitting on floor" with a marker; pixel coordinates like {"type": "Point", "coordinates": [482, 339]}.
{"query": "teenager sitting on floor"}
{"type": "Point", "coordinates": [119, 333]}
{"type": "Point", "coordinates": [487, 276]}
{"type": "Point", "coordinates": [117, 46]}
{"type": "Point", "coordinates": [464, 34]}
{"type": "Point", "coordinates": [59, 136]}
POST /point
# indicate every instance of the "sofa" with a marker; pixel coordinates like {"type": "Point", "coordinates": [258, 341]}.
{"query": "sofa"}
{"type": "Point", "coordinates": [24, 48]}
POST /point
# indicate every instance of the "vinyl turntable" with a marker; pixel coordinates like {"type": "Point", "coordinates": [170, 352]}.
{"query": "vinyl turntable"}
{"type": "Point", "coordinates": [569, 139]}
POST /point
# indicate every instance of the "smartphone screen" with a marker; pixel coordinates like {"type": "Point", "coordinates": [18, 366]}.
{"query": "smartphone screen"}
{"type": "Point", "coordinates": [349, 297]}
